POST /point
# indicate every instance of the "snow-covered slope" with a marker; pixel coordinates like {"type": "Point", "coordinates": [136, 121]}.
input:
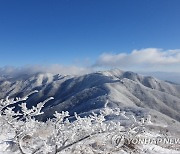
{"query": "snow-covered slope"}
{"type": "Point", "coordinates": [81, 94]}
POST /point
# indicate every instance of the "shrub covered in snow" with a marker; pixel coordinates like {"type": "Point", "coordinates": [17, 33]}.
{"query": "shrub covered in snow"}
{"type": "Point", "coordinates": [21, 132]}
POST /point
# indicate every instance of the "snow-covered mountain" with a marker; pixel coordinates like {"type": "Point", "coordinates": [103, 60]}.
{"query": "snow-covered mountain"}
{"type": "Point", "coordinates": [82, 94]}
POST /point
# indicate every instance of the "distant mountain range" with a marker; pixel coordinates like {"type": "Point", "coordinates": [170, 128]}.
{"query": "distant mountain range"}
{"type": "Point", "coordinates": [173, 77]}
{"type": "Point", "coordinates": [83, 94]}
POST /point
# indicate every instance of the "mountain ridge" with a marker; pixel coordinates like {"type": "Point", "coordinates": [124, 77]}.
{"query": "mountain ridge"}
{"type": "Point", "coordinates": [87, 93]}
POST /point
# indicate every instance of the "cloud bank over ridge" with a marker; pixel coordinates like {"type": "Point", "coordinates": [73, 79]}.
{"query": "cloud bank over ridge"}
{"type": "Point", "coordinates": [165, 64]}
{"type": "Point", "coordinates": [54, 69]}
{"type": "Point", "coordinates": [149, 59]}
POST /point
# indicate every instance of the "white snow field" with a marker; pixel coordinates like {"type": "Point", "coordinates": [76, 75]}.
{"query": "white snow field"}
{"type": "Point", "coordinates": [114, 110]}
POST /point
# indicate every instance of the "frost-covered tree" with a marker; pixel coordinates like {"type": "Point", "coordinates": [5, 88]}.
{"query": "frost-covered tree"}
{"type": "Point", "coordinates": [21, 132]}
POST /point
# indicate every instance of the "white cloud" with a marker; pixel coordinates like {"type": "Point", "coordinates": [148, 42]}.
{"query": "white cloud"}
{"type": "Point", "coordinates": [149, 59]}
{"type": "Point", "coordinates": [54, 69]}
{"type": "Point", "coordinates": [144, 60]}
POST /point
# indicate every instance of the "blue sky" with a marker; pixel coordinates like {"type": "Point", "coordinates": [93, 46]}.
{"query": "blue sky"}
{"type": "Point", "coordinates": [79, 32]}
